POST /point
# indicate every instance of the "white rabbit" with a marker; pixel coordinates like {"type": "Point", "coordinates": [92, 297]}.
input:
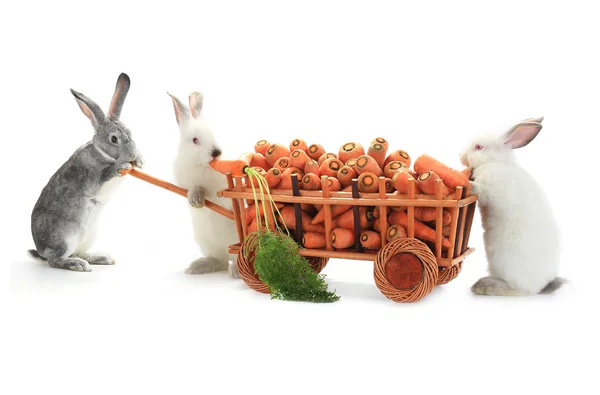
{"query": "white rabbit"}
{"type": "Point", "coordinates": [521, 236]}
{"type": "Point", "coordinates": [213, 232]}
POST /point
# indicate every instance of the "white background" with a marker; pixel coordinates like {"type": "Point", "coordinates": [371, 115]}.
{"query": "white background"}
{"type": "Point", "coordinates": [428, 76]}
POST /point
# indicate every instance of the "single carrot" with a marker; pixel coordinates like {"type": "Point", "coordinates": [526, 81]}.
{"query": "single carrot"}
{"type": "Point", "coordinates": [377, 224]}
{"type": "Point", "coordinates": [261, 147]}
{"type": "Point", "coordinates": [325, 156]}
{"type": "Point", "coordinates": [370, 240]}
{"type": "Point", "coordinates": [377, 151]}
{"type": "Point", "coordinates": [351, 163]}
{"type": "Point", "coordinates": [426, 214]}
{"type": "Point", "coordinates": [260, 171]}
{"type": "Point", "coordinates": [389, 187]}
{"type": "Point", "coordinates": [275, 152]}
{"type": "Point", "coordinates": [273, 177]}
{"type": "Point", "coordinates": [311, 181]}
{"type": "Point", "coordinates": [288, 213]}
{"type": "Point", "coordinates": [298, 158]}
{"type": "Point", "coordinates": [253, 226]}
{"type": "Point", "coordinates": [345, 175]}
{"type": "Point", "coordinates": [309, 209]}
{"type": "Point", "coordinates": [412, 173]}
{"type": "Point", "coordinates": [259, 160]}
{"type": "Point", "coordinates": [468, 172]}
{"type": "Point", "coordinates": [236, 167]}
{"type": "Point", "coordinates": [392, 168]}
{"type": "Point", "coordinates": [446, 230]}
{"type": "Point", "coordinates": [311, 167]}
{"type": "Point", "coordinates": [427, 181]}
{"type": "Point", "coordinates": [282, 163]}
{"type": "Point", "coordinates": [422, 231]}
{"type": "Point", "coordinates": [313, 240]}
{"type": "Point", "coordinates": [368, 182]}
{"type": "Point", "coordinates": [400, 182]}
{"type": "Point", "coordinates": [399, 155]}
{"type": "Point", "coordinates": [365, 163]}
{"type": "Point", "coordinates": [395, 232]}
{"type": "Point", "coordinates": [346, 219]}
{"type": "Point", "coordinates": [330, 167]}
{"type": "Point", "coordinates": [251, 212]}
{"type": "Point", "coordinates": [342, 238]}
{"type": "Point", "coordinates": [298, 144]}
{"type": "Point", "coordinates": [334, 184]}
{"type": "Point", "coordinates": [286, 178]}
{"type": "Point", "coordinates": [382, 141]}
{"type": "Point", "coordinates": [335, 210]}
{"type": "Point", "coordinates": [452, 178]}
{"type": "Point", "coordinates": [350, 150]}
{"type": "Point", "coordinates": [315, 151]}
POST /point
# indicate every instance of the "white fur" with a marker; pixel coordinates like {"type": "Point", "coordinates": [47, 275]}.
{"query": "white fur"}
{"type": "Point", "coordinates": [213, 232]}
{"type": "Point", "coordinates": [521, 236]}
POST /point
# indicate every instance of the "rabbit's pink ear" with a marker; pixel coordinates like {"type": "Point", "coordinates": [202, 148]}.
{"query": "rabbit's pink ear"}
{"type": "Point", "coordinates": [89, 108]}
{"type": "Point", "coordinates": [522, 134]}
{"type": "Point", "coordinates": [116, 104]}
{"type": "Point", "coordinates": [196, 99]}
{"type": "Point", "coordinates": [181, 111]}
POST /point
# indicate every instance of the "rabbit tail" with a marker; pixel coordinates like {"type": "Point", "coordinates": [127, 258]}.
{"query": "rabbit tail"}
{"type": "Point", "coordinates": [553, 285]}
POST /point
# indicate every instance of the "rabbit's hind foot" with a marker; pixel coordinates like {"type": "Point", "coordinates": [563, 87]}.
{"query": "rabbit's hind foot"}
{"type": "Point", "coordinates": [206, 265]}
{"type": "Point", "coordinates": [494, 286]}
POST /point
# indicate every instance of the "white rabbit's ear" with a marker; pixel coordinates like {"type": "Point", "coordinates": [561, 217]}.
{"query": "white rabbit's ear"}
{"type": "Point", "coordinates": [181, 111]}
{"type": "Point", "coordinates": [523, 133]}
{"type": "Point", "coordinates": [89, 108]}
{"type": "Point", "coordinates": [196, 99]}
{"type": "Point", "coordinates": [116, 104]}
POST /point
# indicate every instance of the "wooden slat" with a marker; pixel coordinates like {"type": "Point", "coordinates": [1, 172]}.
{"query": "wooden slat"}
{"type": "Point", "coordinates": [453, 224]}
{"type": "Point", "coordinates": [356, 215]}
{"type": "Point", "coordinates": [297, 209]}
{"type": "Point", "coordinates": [236, 211]}
{"type": "Point", "coordinates": [360, 256]}
{"type": "Point", "coordinates": [327, 211]}
{"type": "Point", "coordinates": [469, 213]}
{"type": "Point", "coordinates": [383, 222]}
{"type": "Point", "coordinates": [410, 211]}
{"type": "Point", "coordinates": [439, 211]}
{"type": "Point", "coordinates": [242, 206]}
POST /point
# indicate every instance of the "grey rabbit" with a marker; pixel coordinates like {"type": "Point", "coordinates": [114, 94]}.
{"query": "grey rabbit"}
{"type": "Point", "coordinates": [64, 217]}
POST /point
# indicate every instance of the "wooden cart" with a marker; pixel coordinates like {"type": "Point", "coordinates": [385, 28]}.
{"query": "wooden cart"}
{"type": "Point", "coordinates": [433, 265]}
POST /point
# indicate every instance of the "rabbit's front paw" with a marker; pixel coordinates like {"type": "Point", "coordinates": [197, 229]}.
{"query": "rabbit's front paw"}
{"type": "Point", "coordinates": [124, 168]}
{"type": "Point", "coordinates": [233, 270]}
{"type": "Point", "coordinates": [139, 162]}
{"type": "Point", "coordinates": [196, 197]}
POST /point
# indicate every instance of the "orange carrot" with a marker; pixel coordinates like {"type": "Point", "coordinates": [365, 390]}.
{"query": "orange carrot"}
{"type": "Point", "coordinates": [335, 210]}
{"type": "Point", "coordinates": [309, 209]}
{"type": "Point", "coordinates": [382, 141]}
{"type": "Point", "coordinates": [259, 160]}
{"type": "Point", "coordinates": [446, 230]}
{"type": "Point", "coordinates": [330, 167]}
{"type": "Point", "coordinates": [426, 214]}
{"type": "Point", "coordinates": [275, 152]}
{"type": "Point", "coordinates": [298, 158]}
{"type": "Point", "coordinates": [311, 181]}
{"type": "Point", "coordinates": [468, 172]}
{"type": "Point", "coordinates": [376, 210]}
{"type": "Point", "coordinates": [422, 231]}
{"type": "Point", "coordinates": [236, 167]}
{"type": "Point", "coordinates": [282, 163]}
{"type": "Point", "coordinates": [289, 219]}
{"type": "Point", "coordinates": [255, 181]}
{"type": "Point", "coordinates": [315, 151]}
{"type": "Point", "coordinates": [334, 184]}
{"type": "Point", "coordinates": [326, 156]}
{"type": "Point", "coordinates": [398, 155]}
{"type": "Point", "coordinates": [370, 240]}
{"type": "Point", "coordinates": [253, 226]}
{"type": "Point", "coordinates": [313, 240]}
{"type": "Point", "coordinates": [251, 211]}
{"type": "Point", "coordinates": [298, 144]}
{"type": "Point", "coordinates": [346, 219]}
{"type": "Point", "coordinates": [312, 167]}
{"type": "Point", "coordinates": [345, 175]}
{"type": "Point", "coordinates": [377, 224]}
{"type": "Point", "coordinates": [392, 168]}
{"type": "Point", "coordinates": [342, 238]}
{"type": "Point", "coordinates": [400, 181]}
{"type": "Point", "coordinates": [377, 151]}
{"type": "Point", "coordinates": [395, 232]}
{"type": "Point", "coordinates": [350, 150]}
{"type": "Point", "coordinates": [273, 177]}
{"type": "Point", "coordinates": [412, 173]}
{"type": "Point", "coordinates": [351, 163]}
{"type": "Point", "coordinates": [389, 187]}
{"type": "Point", "coordinates": [286, 178]}
{"type": "Point", "coordinates": [261, 147]}
{"type": "Point", "coordinates": [452, 178]}
{"type": "Point", "coordinates": [365, 164]}
{"type": "Point", "coordinates": [427, 182]}
{"type": "Point", "coordinates": [368, 182]}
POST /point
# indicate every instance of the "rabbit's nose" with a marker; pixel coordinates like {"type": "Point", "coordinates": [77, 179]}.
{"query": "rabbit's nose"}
{"type": "Point", "coordinates": [216, 152]}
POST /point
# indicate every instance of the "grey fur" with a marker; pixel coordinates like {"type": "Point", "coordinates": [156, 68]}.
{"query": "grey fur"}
{"type": "Point", "coordinates": [196, 197]}
{"type": "Point", "coordinates": [63, 219]}
{"type": "Point", "coordinates": [497, 287]}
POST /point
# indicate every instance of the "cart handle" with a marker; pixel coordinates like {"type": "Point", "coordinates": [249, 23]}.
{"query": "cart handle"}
{"type": "Point", "coordinates": [178, 190]}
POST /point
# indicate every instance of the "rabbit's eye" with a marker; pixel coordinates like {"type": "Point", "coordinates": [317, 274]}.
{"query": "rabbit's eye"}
{"type": "Point", "coordinates": [196, 141]}
{"type": "Point", "coordinates": [478, 147]}
{"type": "Point", "coordinates": [114, 139]}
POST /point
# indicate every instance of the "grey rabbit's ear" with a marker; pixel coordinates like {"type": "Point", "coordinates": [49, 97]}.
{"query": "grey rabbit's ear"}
{"type": "Point", "coordinates": [89, 108]}
{"type": "Point", "coordinates": [523, 133]}
{"type": "Point", "coordinates": [181, 111]}
{"type": "Point", "coordinates": [196, 99]}
{"type": "Point", "coordinates": [116, 104]}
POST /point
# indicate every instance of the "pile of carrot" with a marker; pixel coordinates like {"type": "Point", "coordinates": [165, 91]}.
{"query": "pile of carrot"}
{"type": "Point", "coordinates": [278, 163]}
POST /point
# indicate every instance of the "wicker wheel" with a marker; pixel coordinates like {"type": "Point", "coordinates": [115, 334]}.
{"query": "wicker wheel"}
{"type": "Point", "coordinates": [317, 264]}
{"type": "Point", "coordinates": [246, 266]}
{"type": "Point", "coordinates": [405, 270]}
{"type": "Point", "coordinates": [448, 274]}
